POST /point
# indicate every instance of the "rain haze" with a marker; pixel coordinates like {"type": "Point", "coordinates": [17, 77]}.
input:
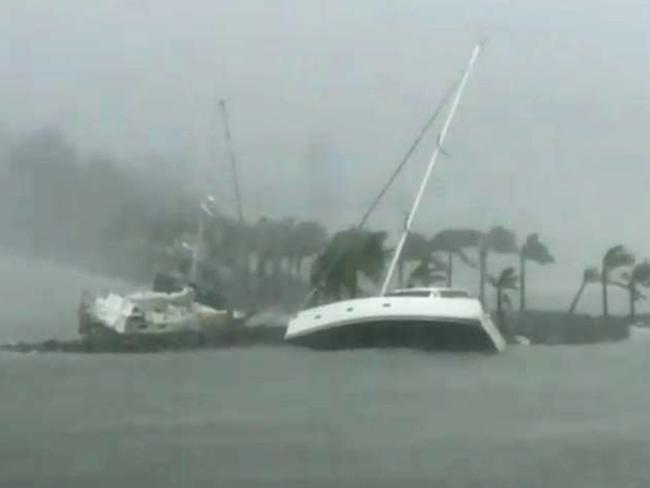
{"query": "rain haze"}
{"type": "Point", "coordinates": [115, 176]}
{"type": "Point", "coordinates": [326, 96]}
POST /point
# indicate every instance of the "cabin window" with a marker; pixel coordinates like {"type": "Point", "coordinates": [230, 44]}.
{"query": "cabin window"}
{"type": "Point", "coordinates": [349, 309]}
{"type": "Point", "coordinates": [453, 294]}
{"type": "Point", "coordinates": [386, 305]}
{"type": "Point", "coordinates": [410, 293]}
{"type": "Point", "coordinates": [317, 316]}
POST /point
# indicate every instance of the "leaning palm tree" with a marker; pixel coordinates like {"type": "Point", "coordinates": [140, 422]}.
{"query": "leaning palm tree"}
{"type": "Point", "coordinates": [453, 242]}
{"type": "Point", "coordinates": [615, 257]}
{"type": "Point", "coordinates": [507, 280]}
{"type": "Point", "coordinates": [348, 254]}
{"type": "Point", "coordinates": [590, 275]}
{"type": "Point", "coordinates": [639, 275]}
{"type": "Point", "coordinates": [499, 240]}
{"type": "Point", "coordinates": [429, 272]}
{"type": "Point", "coordinates": [532, 250]}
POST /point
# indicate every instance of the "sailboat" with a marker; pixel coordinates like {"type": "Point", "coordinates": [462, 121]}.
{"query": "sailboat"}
{"type": "Point", "coordinates": [422, 318]}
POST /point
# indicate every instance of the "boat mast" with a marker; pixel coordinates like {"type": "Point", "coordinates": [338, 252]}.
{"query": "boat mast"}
{"type": "Point", "coordinates": [233, 159]}
{"type": "Point", "coordinates": [432, 162]}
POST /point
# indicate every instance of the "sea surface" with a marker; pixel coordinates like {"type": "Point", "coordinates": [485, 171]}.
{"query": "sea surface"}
{"type": "Point", "coordinates": [288, 417]}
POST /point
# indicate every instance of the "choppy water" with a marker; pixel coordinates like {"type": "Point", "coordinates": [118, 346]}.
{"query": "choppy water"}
{"type": "Point", "coordinates": [535, 417]}
{"type": "Point", "coordinates": [284, 417]}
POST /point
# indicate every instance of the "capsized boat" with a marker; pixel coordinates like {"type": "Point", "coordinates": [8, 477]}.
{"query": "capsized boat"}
{"type": "Point", "coordinates": [420, 318]}
{"type": "Point", "coordinates": [428, 318]}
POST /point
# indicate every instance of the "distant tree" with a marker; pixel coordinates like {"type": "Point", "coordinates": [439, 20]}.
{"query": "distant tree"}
{"type": "Point", "coordinates": [506, 280]}
{"type": "Point", "coordinates": [454, 242]}
{"type": "Point", "coordinates": [532, 250]}
{"type": "Point", "coordinates": [638, 276]}
{"type": "Point", "coordinates": [590, 275]}
{"type": "Point", "coordinates": [499, 240]}
{"type": "Point", "coordinates": [616, 257]}
{"type": "Point", "coordinates": [348, 254]}
{"type": "Point", "coordinates": [429, 272]}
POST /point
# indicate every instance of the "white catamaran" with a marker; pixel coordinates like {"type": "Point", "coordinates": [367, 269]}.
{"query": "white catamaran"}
{"type": "Point", "coordinates": [426, 318]}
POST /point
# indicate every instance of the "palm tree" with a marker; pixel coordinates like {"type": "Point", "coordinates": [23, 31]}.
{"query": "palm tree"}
{"type": "Point", "coordinates": [429, 272]}
{"type": "Point", "coordinates": [349, 253]}
{"type": "Point", "coordinates": [638, 276]}
{"type": "Point", "coordinates": [499, 240]}
{"type": "Point", "coordinates": [590, 275]}
{"type": "Point", "coordinates": [453, 242]}
{"type": "Point", "coordinates": [532, 250]}
{"type": "Point", "coordinates": [507, 280]}
{"type": "Point", "coordinates": [615, 257]}
{"type": "Point", "coordinates": [416, 248]}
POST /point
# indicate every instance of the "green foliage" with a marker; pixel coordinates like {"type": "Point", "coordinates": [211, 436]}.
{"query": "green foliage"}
{"type": "Point", "coordinates": [591, 275]}
{"type": "Point", "coordinates": [506, 280]}
{"type": "Point", "coordinates": [348, 253]}
{"type": "Point", "coordinates": [616, 257]}
{"type": "Point", "coordinates": [534, 250]}
{"type": "Point", "coordinates": [455, 240]}
{"type": "Point", "coordinates": [499, 240]}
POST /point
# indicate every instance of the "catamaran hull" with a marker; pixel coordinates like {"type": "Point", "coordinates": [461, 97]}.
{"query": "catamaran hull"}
{"type": "Point", "coordinates": [420, 334]}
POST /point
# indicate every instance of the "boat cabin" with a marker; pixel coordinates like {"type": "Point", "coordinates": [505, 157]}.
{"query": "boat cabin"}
{"type": "Point", "coordinates": [429, 293]}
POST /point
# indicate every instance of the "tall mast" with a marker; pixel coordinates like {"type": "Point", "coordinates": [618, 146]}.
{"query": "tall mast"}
{"type": "Point", "coordinates": [233, 159]}
{"type": "Point", "coordinates": [432, 162]}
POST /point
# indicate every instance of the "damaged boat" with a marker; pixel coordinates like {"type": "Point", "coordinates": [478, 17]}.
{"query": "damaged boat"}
{"type": "Point", "coordinates": [152, 318]}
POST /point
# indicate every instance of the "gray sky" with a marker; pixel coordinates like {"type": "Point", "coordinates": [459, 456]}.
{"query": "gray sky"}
{"type": "Point", "coordinates": [325, 95]}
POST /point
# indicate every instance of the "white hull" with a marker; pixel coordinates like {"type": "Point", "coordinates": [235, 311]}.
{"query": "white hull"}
{"type": "Point", "coordinates": [430, 322]}
{"type": "Point", "coordinates": [149, 314]}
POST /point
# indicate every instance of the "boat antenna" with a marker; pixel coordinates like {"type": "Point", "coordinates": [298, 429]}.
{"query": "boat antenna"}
{"type": "Point", "coordinates": [375, 202]}
{"type": "Point", "coordinates": [233, 159]}
{"type": "Point", "coordinates": [432, 162]}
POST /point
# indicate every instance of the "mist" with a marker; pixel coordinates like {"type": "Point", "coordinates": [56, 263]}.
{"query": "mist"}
{"type": "Point", "coordinates": [324, 98]}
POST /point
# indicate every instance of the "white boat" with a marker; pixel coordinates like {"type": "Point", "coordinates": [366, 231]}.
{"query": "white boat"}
{"type": "Point", "coordinates": [148, 314]}
{"type": "Point", "coordinates": [425, 318]}
{"type": "Point", "coordinates": [421, 318]}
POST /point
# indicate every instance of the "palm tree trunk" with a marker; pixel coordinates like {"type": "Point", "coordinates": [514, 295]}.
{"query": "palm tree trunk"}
{"type": "Point", "coordinates": [450, 269]}
{"type": "Point", "coordinates": [604, 285]}
{"type": "Point", "coordinates": [576, 299]}
{"type": "Point", "coordinates": [522, 282]}
{"type": "Point", "coordinates": [632, 291]}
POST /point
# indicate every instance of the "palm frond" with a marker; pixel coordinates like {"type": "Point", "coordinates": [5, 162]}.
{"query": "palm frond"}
{"type": "Point", "coordinates": [507, 279]}
{"type": "Point", "coordinates": [454, 240]}
{"type": "Point", "coordinates": [617, 257]}
{"type": "Point", "coordinates": [534, 250]}
{"type": "Point", "coordinates": [500, 240]}
{"type": "Point", "coordinates": [641, 274]}
{"type": "Point", "coordinates": [591, 275]}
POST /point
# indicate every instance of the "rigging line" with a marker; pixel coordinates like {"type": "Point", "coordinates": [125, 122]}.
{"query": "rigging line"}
{"type": "Point", "coordinates": [434, 157]}
{"type": "Point", "coordinates": [375, 203]}
{"type": "Point", "coordinates": [414, 145]}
